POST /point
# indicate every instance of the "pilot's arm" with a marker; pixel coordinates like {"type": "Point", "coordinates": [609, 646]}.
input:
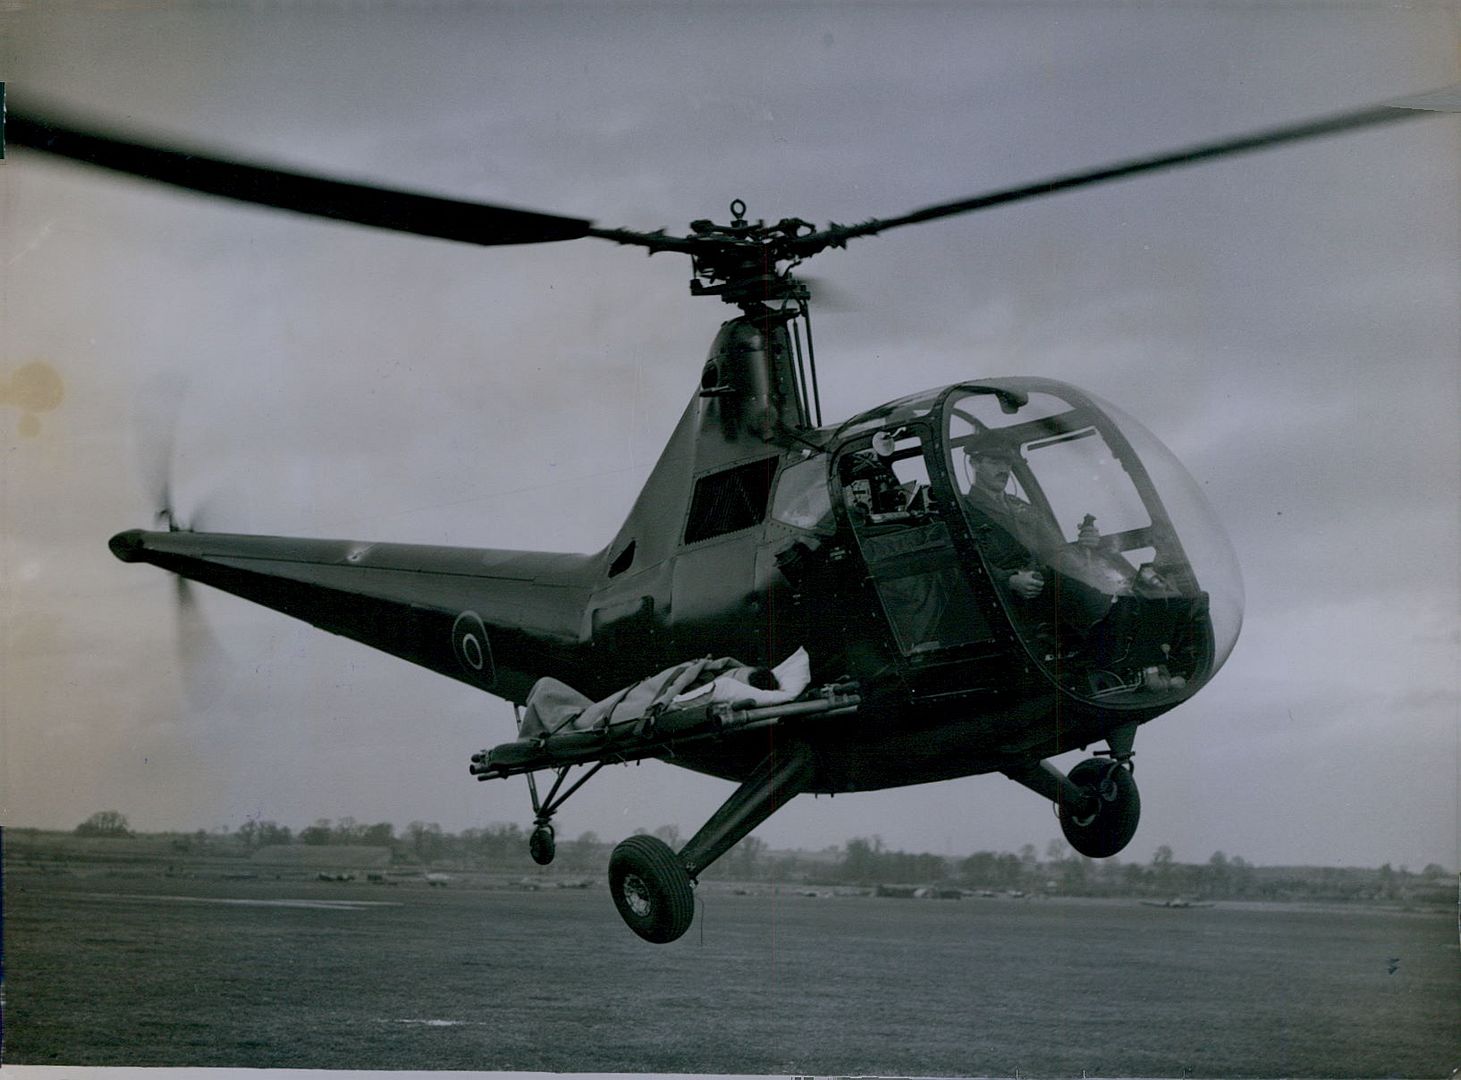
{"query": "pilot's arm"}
{"type": "Point", "coordinates": [1012, 563]}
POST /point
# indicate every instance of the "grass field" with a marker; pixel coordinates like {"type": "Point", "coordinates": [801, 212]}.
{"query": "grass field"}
{"type": "Point", "coordinates": [122, 968]}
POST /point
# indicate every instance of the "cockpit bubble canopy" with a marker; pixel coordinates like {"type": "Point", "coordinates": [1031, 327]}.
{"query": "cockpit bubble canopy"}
{"type": "Point", "coordinates": [1112, 566]}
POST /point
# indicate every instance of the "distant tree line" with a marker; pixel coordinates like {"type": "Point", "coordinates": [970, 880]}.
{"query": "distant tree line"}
{"type": "Point", "coordinates": [1063, 872]}
{"type": "Point", "coordinates": [105, 823]}
{"type": "Point", "coordinates": [862, 861]}
{"type": "Point", "coordinates": [867, 863]}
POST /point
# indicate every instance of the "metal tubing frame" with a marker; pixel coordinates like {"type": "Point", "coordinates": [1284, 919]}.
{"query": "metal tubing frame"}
{"type": "Point", "coordinates": [780, 777]}
{"type": "Point", "coordinates": [812, 365]}
{"type": "Point", "coordinates": [803, 388]}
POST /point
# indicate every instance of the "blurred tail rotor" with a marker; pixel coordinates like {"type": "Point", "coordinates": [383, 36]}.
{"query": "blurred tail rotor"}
{"type": "Point", "coordinates": [155, 420]}
{"type": "Point", "coordinates": [202, 661]}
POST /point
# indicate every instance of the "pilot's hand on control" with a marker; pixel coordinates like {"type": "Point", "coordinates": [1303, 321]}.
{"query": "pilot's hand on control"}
{"type": "Point", "coordinates": [1026, 584]}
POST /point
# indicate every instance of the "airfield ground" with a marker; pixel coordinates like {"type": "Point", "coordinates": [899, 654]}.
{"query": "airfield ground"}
{"type": "Point", "coordinates": [125, 966]}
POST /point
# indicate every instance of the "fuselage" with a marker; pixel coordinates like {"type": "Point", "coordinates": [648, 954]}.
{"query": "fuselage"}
{"type": "Point", "coordinates": [867, 543]}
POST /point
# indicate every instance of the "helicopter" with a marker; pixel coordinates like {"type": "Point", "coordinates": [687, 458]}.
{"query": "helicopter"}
{"type": "Point", "coordinates": [977, 577]}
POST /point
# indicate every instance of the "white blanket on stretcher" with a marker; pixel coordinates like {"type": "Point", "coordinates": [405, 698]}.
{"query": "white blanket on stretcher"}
{"type": "Point", "coordinates": [554, 706]}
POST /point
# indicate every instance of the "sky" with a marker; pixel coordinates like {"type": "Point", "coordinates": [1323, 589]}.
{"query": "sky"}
{"type": "Point", "coordinates": [1287, 323]}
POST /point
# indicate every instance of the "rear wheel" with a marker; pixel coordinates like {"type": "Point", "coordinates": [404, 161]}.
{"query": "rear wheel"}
{"type": "Point", "coordinates": [541, 845]}
{"type": "Point", "coordinates": [1106, 826]}
{"type": "Point", "coordinates": [651, 889]}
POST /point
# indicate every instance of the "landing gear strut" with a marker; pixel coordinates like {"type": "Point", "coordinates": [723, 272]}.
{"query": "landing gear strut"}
{"type": "Point", "coordinates": [542, 845]}
{"type": "Point", "coordinates": [652, 886]}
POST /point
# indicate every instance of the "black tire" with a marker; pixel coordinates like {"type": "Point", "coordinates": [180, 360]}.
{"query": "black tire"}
{"type": "Point", "coordinates": [651, 889]}
{"type": "Point", "coordinates": [1102, 834]}
{"type": "Point", "coordinates": [541, 845]}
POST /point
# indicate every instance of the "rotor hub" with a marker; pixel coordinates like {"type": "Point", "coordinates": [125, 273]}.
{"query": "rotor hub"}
{"type": "Point", "coordinates": [742, 262]}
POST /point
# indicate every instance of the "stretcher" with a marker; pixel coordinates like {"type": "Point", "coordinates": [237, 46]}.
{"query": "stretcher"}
{"type": "Point", "coordinates": [656, 733]}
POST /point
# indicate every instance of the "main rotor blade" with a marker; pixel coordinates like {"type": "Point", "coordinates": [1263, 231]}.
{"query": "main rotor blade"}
{"type": "Point", "coordinates": [1447, 100]}
{"type": "Point", "coordinates": [364, 204]}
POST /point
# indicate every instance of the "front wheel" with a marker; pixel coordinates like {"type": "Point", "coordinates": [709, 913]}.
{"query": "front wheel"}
{"type": "Point", "coordinates": [1101, 832]}
{"type": "Point", "coordinates": [651, 889]}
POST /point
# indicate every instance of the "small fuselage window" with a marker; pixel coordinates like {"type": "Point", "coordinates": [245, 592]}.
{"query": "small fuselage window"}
{"type": "Point", "coordinates": [731, 500]}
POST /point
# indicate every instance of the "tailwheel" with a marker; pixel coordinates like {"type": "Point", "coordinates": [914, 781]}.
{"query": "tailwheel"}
{"type": "Point", "coordinates": [541, 845]}
{"type": "Point", "coordinates": [651, 889]}
{"type": "Point", "coordinates": [1107, 821]}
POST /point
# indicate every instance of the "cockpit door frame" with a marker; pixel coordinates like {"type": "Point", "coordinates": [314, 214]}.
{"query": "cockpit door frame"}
{"type": "Point", "coordinates": [967, 582]}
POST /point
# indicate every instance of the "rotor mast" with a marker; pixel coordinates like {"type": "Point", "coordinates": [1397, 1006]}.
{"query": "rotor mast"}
{"type": "Point", "coordinates": [741, 263]}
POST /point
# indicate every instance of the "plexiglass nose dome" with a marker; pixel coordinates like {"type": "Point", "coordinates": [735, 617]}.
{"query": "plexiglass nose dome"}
{"type": "Point", "coordinates": [1114, 570]}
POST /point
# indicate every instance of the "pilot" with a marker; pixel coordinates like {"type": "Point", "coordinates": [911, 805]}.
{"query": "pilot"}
{"type": "Point", "coordinates": [1012, 533]}
{"type": "Point", "coordinates": [1022, 546]}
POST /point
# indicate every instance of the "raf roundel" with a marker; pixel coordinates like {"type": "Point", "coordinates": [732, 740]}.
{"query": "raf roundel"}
{"type": "Point", "coordinates": [473, 651]}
